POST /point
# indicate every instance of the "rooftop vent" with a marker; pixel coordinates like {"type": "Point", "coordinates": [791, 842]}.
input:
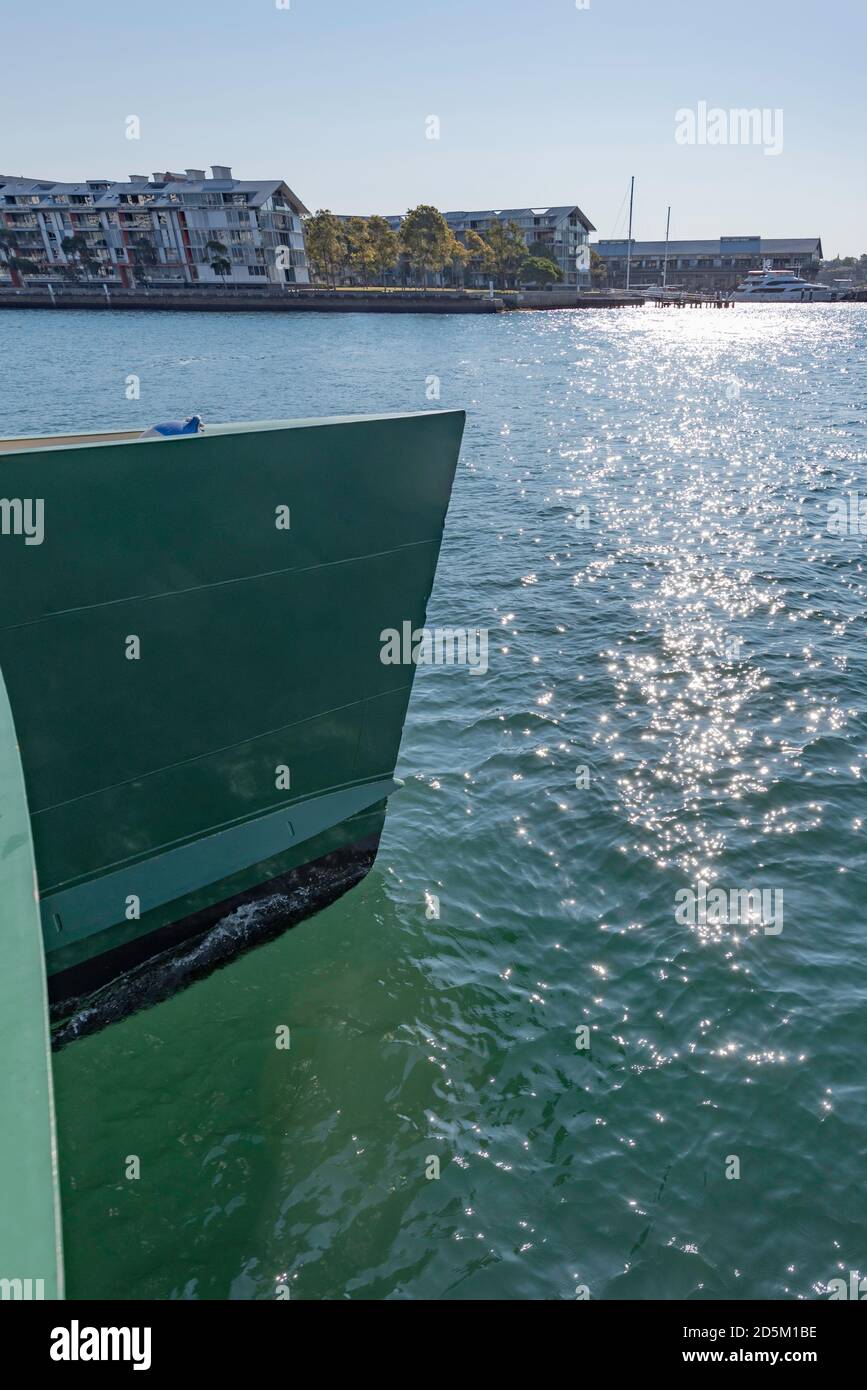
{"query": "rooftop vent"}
{"type": "Point", "coordinates": [196, 174]}
{"type": "Point", "coordinates": [138, 178]}
{"type": "Point", "coordinates": [221, 171]}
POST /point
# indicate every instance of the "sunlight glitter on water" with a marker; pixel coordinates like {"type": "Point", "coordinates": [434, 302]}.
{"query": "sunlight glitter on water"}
{"type": "Point", "coordinates": [676, 698]}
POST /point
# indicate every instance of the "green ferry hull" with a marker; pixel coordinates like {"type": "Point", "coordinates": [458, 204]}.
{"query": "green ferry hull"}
{"type": "Point", "coordinates": [192, 653]}
{"type": "Point", "coordinates": [31, 1263]}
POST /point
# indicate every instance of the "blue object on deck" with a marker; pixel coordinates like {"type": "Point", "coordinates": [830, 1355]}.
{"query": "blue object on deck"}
{"type": "Point", "coordinates": [170, 428]}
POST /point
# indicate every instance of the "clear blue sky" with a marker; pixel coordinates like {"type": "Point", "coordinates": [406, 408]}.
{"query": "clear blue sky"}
{"type": "Point", "coordinates": [539, 102]}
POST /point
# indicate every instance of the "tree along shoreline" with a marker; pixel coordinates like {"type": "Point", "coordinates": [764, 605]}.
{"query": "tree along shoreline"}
{"type": "Point", "coordinates": [357, 250]}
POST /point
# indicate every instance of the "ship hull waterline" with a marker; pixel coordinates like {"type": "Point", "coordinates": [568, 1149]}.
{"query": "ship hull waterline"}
{"type": "Point", "coordinates": [192, 651]}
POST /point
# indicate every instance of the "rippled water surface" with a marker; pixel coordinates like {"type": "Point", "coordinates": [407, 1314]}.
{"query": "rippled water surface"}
{"type": "Point", "coordinates": [676, 695]}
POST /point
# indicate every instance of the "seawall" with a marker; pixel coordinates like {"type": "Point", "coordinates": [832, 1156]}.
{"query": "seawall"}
{"type": "Point", "coordinates": [228, 300]}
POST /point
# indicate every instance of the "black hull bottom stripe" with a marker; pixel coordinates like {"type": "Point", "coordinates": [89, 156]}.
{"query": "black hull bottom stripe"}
{"type": "Point", "coordinates": [88, 997]}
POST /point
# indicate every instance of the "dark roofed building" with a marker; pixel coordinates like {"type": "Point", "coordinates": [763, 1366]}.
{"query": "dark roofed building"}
{"type": "Point", "coordinates": [709, 265]}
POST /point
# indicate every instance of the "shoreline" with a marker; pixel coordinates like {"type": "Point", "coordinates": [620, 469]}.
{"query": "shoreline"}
{"type": "Point", "coordinates": [352, 301]}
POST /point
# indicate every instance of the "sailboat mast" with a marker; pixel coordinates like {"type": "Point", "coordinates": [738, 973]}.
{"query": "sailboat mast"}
{"type": "Point", "coordinates": [629, 242]}
{"type": "Point", "coordinates": [665, 262]}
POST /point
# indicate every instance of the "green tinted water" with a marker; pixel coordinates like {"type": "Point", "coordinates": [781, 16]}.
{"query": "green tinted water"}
{"type": "Point", "coordinates": [695, 640]}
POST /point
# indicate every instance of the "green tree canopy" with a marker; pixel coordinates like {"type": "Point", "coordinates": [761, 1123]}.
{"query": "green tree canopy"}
{"type": "Point", "coordinates": [9, 254]}
{"type": "Point", "coordinates": [384, 245]}
{"type": "Point", "coordinates": [426, 240]}
{"type": "Point", "coordinates": [360, 250]}
{"type": "Point", "coordinates": [77, 251]}
{"type": "Point", "coordinates": [326, 245]}
{"type": "Point", "coordinates": [539, 270]}
{"type": "Point", "coordinates": [219, 262]}
{"type": "Point", "coordinates": [17, 265]}
{"type": "Point", "coordinates": [458, 257]}
{"type": "Point", "coordinates": [508, 249]}
{"type": "Point", "coordinates": [479, 253]}
{"type": "Point", "coordinates": [145, 254]}
{"type": "Point", "coordinates": [543, 249]}
{"type": "Point", "coordinates": [598, 269]}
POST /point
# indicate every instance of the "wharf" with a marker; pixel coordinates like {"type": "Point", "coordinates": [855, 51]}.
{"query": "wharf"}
{"type": "Point", "coordinates": [692, 302]}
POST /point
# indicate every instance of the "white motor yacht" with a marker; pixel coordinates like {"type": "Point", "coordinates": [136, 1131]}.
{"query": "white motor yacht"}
{"type": "Point", "coordinates": [781, 287]}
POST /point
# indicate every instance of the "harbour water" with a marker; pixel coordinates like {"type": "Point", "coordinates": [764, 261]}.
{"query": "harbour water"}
{"type": "Point", "coordinates": [676, 697]}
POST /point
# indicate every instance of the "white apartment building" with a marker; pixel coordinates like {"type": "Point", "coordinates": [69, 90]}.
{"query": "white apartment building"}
{"type": "Point", "coordinates": [156, 229]}
{"type": "Point", "coordinates": [561, 230]}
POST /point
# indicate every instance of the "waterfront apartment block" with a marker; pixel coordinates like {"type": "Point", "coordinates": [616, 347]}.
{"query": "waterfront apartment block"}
{"type": "Point", "coordinates": [155, 230]}
{"type": "Point", "coordinates": [708, 265]}
{"type": "Point", "coordinates": [562, 231]}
